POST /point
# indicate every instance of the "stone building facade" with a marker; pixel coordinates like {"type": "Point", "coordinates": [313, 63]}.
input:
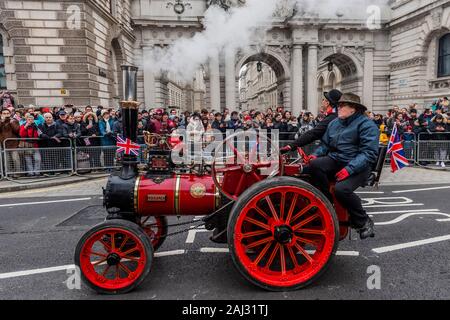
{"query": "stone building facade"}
{"type": "Point", "coordinates": [66, 52]}
{"type": "Point", "coordinates": [51, 58]}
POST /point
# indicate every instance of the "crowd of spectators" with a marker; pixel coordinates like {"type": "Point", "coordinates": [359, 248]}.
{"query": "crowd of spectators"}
{"type": "Point", "coordinates": [99, 126]}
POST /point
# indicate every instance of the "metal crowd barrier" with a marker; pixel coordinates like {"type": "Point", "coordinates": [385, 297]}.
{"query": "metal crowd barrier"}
{"type": "Point", "coordinates": [433, 147]}
{"type": "Point", "coordinates": [87, 154]}
{"type": "Point", "coordinates": [36, 156]}
{"type": "Point", "coordinates": [1, 164]}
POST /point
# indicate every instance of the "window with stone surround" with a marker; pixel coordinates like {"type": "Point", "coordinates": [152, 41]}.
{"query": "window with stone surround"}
{"type": "Point", "coordinates": [2, 66]}
{"type": "Point", "coordinates": [444, 56]}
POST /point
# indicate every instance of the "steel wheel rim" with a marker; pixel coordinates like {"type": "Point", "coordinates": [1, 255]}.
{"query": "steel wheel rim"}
{"type": "Point", "coordinates": [259, 250]}
{"type": "Point", "coordinates": [240, 186]}
{"type": "Point", "coordinates": [111, 277]}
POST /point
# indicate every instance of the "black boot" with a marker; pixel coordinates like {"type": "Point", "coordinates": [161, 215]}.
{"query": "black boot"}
{"type": "Point", "coordinates": [367, 230]}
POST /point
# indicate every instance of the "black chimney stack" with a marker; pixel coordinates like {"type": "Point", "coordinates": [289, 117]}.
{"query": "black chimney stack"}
{"type": "Point", "coordinates": [129, 113]}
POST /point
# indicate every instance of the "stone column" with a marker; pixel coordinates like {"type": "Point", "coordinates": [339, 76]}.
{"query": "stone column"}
{"type": "Point", "coordinates": [149, 81]}
{"type": "Point", "coordinates": [230, 81]}
{"type": "Point", "coordinates": [297, 79]}
{"type": "Point", "coordinates": [214, 78]}
{"type": "Point", "coordinates": [367, 97]}
{"type": "Point", "coordinates": [312, 98]}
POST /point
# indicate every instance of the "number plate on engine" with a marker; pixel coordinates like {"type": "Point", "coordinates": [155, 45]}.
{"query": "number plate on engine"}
{"type": "Point", "coordinates": [156, 198]}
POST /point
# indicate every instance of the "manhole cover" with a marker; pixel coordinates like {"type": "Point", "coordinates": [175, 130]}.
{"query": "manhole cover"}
{"type": "Point", "coordinates": [88, 216]}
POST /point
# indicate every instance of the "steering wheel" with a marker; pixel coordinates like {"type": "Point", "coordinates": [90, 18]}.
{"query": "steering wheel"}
{"type": "Point", "coordinates": [240, 161]}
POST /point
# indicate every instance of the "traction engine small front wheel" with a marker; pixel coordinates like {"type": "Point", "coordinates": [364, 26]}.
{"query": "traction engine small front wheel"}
{"type": "Point", "coordinates": [114, 257]}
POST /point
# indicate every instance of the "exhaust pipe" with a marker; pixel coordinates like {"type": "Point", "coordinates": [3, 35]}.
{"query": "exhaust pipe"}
{"type": "Point", "coordinates": [129, 113]}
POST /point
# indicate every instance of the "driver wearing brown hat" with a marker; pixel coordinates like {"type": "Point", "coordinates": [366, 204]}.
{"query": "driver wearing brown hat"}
{"type": "Point", "coordinates": [348, 151]}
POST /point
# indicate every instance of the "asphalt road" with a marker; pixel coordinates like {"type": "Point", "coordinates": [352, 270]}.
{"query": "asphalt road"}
{"type": "Point", "coordinates": [39, 231]}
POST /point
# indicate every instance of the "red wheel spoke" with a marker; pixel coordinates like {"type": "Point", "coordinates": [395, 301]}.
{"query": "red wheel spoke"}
{"type": "Point", "coordinates": [283, 261]}
{"type": "Point", "coordinates": [258, 209]}
{"type": "Point", "coordinates": [98, 254]}
{"type": "Point", "coordinates": [113, 241]}
{"type": "Point", "coordinates": [123, 242]}
{"type": "Point", "coordinates": [228, 169]}
{"type": "Point", "coordinates": [125, 268]}
{"type": "Point", "coordinates": [236, 152]}
{"type": "Point", "coordinates": [263, 165]}
{"type": "Point", "coordinates": [291, 209]}
{"type": "Point", "coordinates": [282, 204]}
{"type": "Point", "coordinates": [105, 271]}
{"type": "Point", "coordinates": [272, 208]}
{"type": "Point", "coordinates": [262, 253]}
{"type": "Point", "coordinates": [308, 241]}
{"type": "Point", "coordinates": [312, 231]}
{"type": "Point", "coordinates": [306, 221]}
{"type": "Point", "coordinates": [130, 251]}
{"type": "Point", "coordinates": [272, 256]}
{"type": "Point", "coordinates": [106, 245]}
{"type": "Point", "coordinates": [255, 175]}
{"type": "Point", "coordinates": [302, 212]}
{"type": "Point", "coordinates": [96, 263]}
{"type": "Point", "coordinates": [117, 272]}
{"type": "Point", "coordinates": [260, 242]}
{"type": "Point", "coordinates": [258, 223]}
{"type": "Point", "coordinates": [239, 186]}
{"type": "Point", "coordinates": [254, 234]}
{"type": "Point", "coordinates": [293, 257]}
{"type": "Point", "coordinates": [304, 253]}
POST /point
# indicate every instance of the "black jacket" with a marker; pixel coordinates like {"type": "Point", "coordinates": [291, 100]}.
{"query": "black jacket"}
{"type": "Point", "coordinates": [47, 133]}
{"type": "Point", "coordinates": [314, 134]}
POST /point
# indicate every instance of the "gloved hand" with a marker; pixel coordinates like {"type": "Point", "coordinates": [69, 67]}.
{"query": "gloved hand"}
{"type": "Point", "coordinates": [312, 157]}
{"type": "Point", "coordinates": [286, 149]}
{"type": "Point", "coordinates": [342, 175]}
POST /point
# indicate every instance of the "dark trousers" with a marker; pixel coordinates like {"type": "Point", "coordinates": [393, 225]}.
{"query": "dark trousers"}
{"type": "Point", "coordinates": [323, 170]}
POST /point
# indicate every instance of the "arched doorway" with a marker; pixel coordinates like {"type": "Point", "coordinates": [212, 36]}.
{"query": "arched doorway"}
{"type": "Point", "coordinates": [263, 82]}
{"type": "Point", "coordinates": [344, 73]}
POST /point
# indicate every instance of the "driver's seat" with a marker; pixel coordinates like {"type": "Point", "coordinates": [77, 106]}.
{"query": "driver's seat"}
{"type": "Point", "coordinates": [377, 168]}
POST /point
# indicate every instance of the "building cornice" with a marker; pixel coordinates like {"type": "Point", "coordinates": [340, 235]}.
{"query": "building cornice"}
{"type": "Point", "coordinates": [416, 61]}
{"type": "Point", "coordinates": [106, 15]}
{"type": "Point", "coordinates": [417, 13]}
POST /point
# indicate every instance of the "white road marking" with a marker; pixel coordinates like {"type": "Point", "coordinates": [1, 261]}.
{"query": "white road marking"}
{"type": "Point", "coordinates": [402, 211]}
{"type": "Point", "coordinates": [191, 234]}
{"type": "Point", "coordinates": [393, 205]}
{"type": "Point", "coordinates": [369, 192]}
{"type": "Point", "coordinates": [169, 253]}
{"type": "Point", "coordinates": [411, 244]}
{"type": "Point", "coordinates": [407, 215]}
{"type": "Point", "coordinates": [226, 250]}
{"type": "Point", "coordinates": [214, 250]}
{"type": "Point", "coordinates": [424, 189]}
{"type": "Point", "coordinates": [35, 271]}
{"type": "Point", "coordinates": [43, 202]}
{"type": "Point", "coordinates": [392, 200]}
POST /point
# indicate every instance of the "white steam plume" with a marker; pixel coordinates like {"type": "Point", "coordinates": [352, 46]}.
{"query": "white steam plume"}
{"type": "Point", "coordinates": [241, 26]}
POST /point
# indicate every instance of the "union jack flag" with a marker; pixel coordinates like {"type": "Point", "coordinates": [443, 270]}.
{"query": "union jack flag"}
{"type": "Point", "coordinates": [395, 149]}
{"type": "Point", "coordinates": [127, 146]}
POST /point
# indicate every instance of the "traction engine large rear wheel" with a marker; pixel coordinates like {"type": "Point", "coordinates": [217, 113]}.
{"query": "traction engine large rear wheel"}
{"type": "Point", "coordinates": [114, 257]}
{"type": "Point", "coordinates": [282, 234]}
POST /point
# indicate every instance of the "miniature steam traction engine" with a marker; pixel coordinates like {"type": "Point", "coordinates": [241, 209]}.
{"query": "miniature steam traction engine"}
{"type": "Point", "coordinates": [281, 231]}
